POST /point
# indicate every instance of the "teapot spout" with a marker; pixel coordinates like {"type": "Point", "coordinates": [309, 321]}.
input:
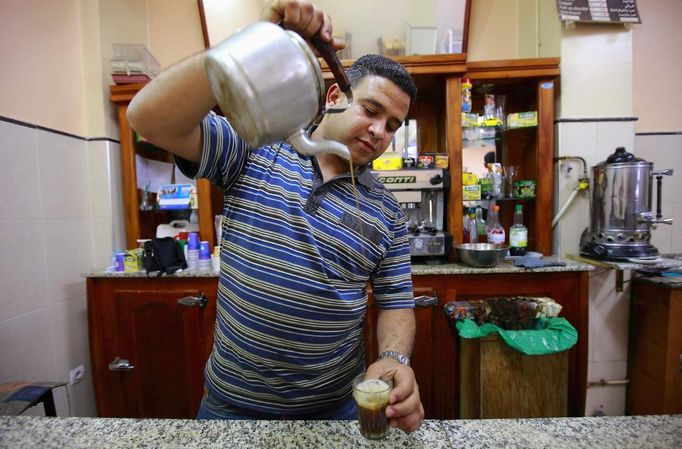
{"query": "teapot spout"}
{"type": "Point", "coordinates": [304, 145]}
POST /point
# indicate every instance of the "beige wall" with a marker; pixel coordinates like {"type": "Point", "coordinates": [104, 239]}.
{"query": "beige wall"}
{"type": "Point", "coordinates": [41, 80]}
{"type": "Point", "coordinates": [657, 67]}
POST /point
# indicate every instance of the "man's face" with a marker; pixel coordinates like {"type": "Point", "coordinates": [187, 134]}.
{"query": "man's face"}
{"type": "Point", "coordinates": [367, 127]}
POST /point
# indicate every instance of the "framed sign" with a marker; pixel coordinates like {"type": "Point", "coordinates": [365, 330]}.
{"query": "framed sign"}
{"type": "Point", "coordinates": [604, 11]}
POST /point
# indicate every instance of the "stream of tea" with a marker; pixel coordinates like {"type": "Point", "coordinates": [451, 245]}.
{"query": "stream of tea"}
{"type": "Point", "coordinates": [357, 204]}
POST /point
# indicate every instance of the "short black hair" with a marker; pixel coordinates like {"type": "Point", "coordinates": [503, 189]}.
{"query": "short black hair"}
{"type": "Point", "coordinates": [386, 68]}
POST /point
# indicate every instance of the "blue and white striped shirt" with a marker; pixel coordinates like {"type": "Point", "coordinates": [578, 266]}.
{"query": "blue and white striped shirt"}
{"type": "Point", "coordinates": [296, 257]}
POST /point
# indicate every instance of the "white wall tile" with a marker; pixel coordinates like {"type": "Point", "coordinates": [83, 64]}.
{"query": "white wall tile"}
{"type": "Point", "coordinates": [609, 399]}
{"type": "Point", "coordinates": [63, 175]}
{"type": "Point", "coordinates": [69, 326]}
{"type": "Point", "coordinates": [99, 182]}
{"type": "Point", "coordinates": [611, 135]}
{"type": "Point", "coordinates": [26, 352]}
{"type": "Point", "coordinates": [103, 246]}
{"type": "Point", "coordinates": [22, 268]}
{"type": "Point", "coordinates": [69, 254]}
{"type": "Point", "coordinates": [19, 181]}
{"type": "Point", "coordinates": [609, 313]}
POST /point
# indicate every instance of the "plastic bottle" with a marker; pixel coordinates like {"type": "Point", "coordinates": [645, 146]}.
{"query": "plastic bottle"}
{"type": "Point", "coordinates": [480, 226]}
{"type": "Point", "coordinates": [465, 231]}
{"type": "Point", "coordinates": [466, 95]}
{"type": "Point", "coordinates": [518, 234]}
{"type": "Point", "coordinates": [473, 226]}
{"type": "Point", "coordinates": [496, 232]}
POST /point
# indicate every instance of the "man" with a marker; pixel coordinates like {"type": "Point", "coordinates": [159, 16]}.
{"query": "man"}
{"type": "Point", "coordinates": [297, 253]}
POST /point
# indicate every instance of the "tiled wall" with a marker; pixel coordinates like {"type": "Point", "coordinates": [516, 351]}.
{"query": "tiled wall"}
{"type": "Point", "coordinates": [665, 151]}
{"type": "Point", "coordinates": [56, 224]}
{"type": "Point", "coordinates": [609, 310]}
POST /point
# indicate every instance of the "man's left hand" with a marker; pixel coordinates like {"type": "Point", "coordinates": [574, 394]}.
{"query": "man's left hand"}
{"type": "Point", "coordinates": [405, 410]}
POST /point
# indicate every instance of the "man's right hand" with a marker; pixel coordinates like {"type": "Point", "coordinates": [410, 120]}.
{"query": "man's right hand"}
{"type": "Point", "coordinates": [302, 17]}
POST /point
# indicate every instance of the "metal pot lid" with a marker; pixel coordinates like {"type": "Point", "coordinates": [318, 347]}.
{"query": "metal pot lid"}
{"type": "Point", "coordinates": [620, 155]}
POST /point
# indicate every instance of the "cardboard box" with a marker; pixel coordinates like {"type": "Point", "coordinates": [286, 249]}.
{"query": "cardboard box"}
{"type": "Point", "coordinates": [522, 119]}
{"type": "Point", "coordinates": [469, 179]}
{"type": "Point", "coordinates": [471, 193]}
{"type": "Point", "coordinates": [388, 161]}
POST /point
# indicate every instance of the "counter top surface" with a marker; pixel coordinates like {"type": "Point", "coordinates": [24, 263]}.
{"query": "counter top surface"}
{"type": "Point", "coordinates": [418, 269]}
{"type": "Point", "coordinates": [622, 432]}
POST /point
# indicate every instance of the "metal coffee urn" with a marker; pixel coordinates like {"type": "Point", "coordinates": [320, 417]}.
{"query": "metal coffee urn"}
{"type": "Point", "coordinates": [621, 208]}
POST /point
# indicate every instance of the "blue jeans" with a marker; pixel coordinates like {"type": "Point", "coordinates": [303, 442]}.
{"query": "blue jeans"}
{"type": "Point", "coordinates": [213, 408]}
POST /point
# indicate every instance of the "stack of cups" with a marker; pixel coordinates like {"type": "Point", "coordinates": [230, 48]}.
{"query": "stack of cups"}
{"type": "Point", "coordinates": [204, 256]}
{"type": "Point", "coordinates": [193, 251]}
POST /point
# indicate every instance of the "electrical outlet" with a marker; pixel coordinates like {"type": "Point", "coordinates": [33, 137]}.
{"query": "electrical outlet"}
{"type": "Point", "coordinates": [76, 375]}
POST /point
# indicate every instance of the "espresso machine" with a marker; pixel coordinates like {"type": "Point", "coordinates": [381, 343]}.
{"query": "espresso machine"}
{"type": "Point", "coordinates": [621, 208]}
{"type": "Point", "coordinates": [421, 193]}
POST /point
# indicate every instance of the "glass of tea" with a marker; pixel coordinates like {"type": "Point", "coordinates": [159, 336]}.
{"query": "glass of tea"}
{"type": "Point", "coordinates": [371, 396]}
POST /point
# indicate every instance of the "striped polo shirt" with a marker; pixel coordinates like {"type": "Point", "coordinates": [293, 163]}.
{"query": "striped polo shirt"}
{"type": "Point", "coordinates": [296, 257]}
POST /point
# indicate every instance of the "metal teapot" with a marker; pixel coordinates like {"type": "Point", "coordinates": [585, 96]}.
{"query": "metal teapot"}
{"type": "Point", "coordinates": [269, 85]}
{"type": "Point", "coordinates": [622, 214]}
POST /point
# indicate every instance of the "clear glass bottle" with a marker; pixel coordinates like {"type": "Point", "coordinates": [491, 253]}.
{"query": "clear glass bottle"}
{"type": "Point", "coordinates": [496, 232]}
{"type": "Point", "coordinates": [473, 228]}
{"type": "Point", "coordinates": [518, 234]}
{"type": "Point", "coordinates": [480, 226]}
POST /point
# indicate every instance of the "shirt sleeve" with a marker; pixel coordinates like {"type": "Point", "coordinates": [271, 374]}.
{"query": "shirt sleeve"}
{"type": "Point", "coordinates": [223, 153]}
{"type": "Point", "coordinates": [392, 281]}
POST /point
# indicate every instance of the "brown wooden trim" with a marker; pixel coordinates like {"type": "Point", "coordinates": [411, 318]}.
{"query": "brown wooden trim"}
{"type": "Point", "coordinates": [123, 93]}
{"type": "Point", "coordinates": [204, 26]}
{"type": "Point", "coordinates": [453, 136]}
{"type": "Point", "coordinates": [129, 178]}
{"type": "Point", "coordinates": [582, 325]}
{"type": "Point", "coordinates": [545, 173]}
{"type": "Point", "coordinates": [465, 33]}
{"type": "Point", "coordinates": [206, 220]}
{"type": "Point", "coordinates": [513, 68]}
{"type": "Point", "coordinates": [451, 64]}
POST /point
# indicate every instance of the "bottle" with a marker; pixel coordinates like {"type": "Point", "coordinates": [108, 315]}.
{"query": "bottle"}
{"type": "Point", "coordinates": [496, 232]}
{"type": "Point", "coordinates": [518, 234]}
{"type": "Point", "coordinates": [466, 95]}
{"type": "Point", "coordinates": [473, 227]}
{"type": "Point", "coordinates": [480, 226]}
{"type": "Point", "coordinates": [465, 230]}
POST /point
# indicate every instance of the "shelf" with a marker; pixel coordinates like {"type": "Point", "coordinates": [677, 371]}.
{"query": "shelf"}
{"type": "Point", "coordinates": [501, 198]}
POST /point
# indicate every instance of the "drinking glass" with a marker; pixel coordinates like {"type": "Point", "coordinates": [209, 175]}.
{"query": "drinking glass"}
{"type": "Point", "coordinates": [510, 172]}
{"type": "Point", "coordinates": [371, 396]}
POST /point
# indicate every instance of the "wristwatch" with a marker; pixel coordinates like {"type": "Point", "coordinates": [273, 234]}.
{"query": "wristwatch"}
{"type": "Point", "coordinates": [395, 355]}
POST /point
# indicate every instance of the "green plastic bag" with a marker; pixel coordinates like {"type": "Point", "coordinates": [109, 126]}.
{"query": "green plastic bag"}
{"type": "Point", "coordinates": [548, 335]}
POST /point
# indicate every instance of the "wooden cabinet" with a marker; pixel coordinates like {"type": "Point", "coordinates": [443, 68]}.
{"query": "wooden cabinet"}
{"type": "Point", "coordinates": [435, 356]}
{"type": "Point", "coordinates": [528, 85]}
{"type": "Point", "coordinates": [655, 359]}
{"type": "Point", "coordinates": [142, 224]}
{"type": "Point", "coordinates": [148, 351]}
{"type": "Point", "coordinates": [519, 86]}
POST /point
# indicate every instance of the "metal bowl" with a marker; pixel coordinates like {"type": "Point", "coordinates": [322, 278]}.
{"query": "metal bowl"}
{"type": "Point", "coordinates": [481, 255]}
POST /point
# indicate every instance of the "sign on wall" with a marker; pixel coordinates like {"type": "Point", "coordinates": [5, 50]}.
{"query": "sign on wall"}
{"type": "Point", "coordinates": [605, 11]}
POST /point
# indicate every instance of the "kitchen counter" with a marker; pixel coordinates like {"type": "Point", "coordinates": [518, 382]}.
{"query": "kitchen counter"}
{"type": "Point", "coordinates": [417, 269]}
{"type": "Point", "coordinates": [622, 432]}
{"type": "Point", "coordinates": [506, 266]}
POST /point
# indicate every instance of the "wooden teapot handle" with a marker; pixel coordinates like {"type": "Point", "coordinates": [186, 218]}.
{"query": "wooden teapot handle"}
{"type": "Point", "coordinates": [329, 55]}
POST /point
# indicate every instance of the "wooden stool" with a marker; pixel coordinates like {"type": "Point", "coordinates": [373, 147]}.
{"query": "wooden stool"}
{"type": "Point", "coordinates": [17, 397]}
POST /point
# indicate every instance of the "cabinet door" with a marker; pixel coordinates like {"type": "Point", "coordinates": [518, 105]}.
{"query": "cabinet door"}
{"type": "Point", "coordinates": [422, 353]}
{"type": "Point", "coordinates": [165, 344]}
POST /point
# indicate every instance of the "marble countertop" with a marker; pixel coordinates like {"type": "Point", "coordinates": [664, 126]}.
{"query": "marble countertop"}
{"type": "Point", "coordinates": [506, 266]}
{"type": "Point", "coordinates": [603, 432]}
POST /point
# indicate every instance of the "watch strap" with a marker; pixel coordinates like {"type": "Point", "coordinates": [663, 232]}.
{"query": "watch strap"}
{"type": "Point", "coordinates": [396, 356]}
